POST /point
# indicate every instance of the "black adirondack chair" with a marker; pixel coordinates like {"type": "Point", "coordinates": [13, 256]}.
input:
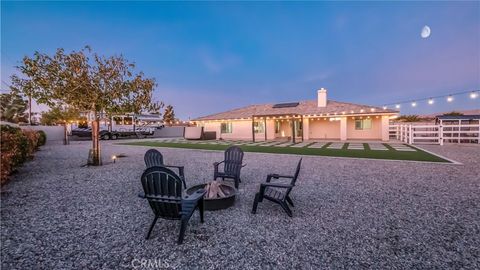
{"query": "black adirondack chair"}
{"type": "Point", "coordinates": [154, 158]}
{"type": "Point", "coordinates": [232, 164]}
{"type": "Point", "coordinates": [163, 190]}
{"type": "Point", "coordinates": [277, 193]}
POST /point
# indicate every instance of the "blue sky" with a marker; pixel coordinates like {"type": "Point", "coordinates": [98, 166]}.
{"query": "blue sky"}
{"type": "Point", "coordinates": [210, 57]}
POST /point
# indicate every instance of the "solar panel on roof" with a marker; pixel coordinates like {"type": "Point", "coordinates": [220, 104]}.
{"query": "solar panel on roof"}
{"type": "Point", "coordinates": [285, 105]}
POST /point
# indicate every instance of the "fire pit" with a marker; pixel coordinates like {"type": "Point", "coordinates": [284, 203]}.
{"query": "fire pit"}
{"type": "Point", "coordinates": [219, 196]}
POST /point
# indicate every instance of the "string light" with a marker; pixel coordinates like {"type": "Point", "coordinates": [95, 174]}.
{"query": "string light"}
{"type": "Point", "coordinates": [431, 100]}
{"type": "Point", "coordinates": [473, 95]}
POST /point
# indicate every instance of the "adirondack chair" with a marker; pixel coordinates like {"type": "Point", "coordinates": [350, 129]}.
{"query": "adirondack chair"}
{"type": "Point", "coordinates": [163, 190]}
{"type": "Point", "coordinates": [232, 164]}
{"type": "Point", "coordinates": [276, 192]}
{"type": "Point", "coordinates": [155, 158]}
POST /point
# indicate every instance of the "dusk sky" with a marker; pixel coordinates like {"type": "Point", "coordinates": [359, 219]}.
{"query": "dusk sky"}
{"type": "Point", "coordinates": [211, 57]}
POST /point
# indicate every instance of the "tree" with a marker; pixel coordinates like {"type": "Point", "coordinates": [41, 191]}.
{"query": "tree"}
{"type": "Point", "coordinates": [453, 113]}
{"type": "Point", "coordinates": [409, 118]}
{"type": "Point", "coordinates": [58, 115]}
{"type": "Point", "coordinates": [13, 107]}
{"type": "Point", "coordinates": [155, 107]}
{"type": "Point", "coordinates": [169, 115]}
{"type": "Point", "coordinates": [85, 81]}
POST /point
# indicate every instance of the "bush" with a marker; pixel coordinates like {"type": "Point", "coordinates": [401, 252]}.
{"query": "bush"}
{"type": "Point", "coordinates": [17, 146]}
{"type": "Point", "coordinates": [42, 138]}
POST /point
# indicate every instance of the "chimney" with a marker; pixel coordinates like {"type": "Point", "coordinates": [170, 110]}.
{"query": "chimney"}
{"type": "Point", "coordinates": [322, 97]}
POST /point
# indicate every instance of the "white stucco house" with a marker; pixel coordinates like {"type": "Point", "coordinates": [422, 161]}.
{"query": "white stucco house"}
{"type": "Point", "coordinates": [305, 120]}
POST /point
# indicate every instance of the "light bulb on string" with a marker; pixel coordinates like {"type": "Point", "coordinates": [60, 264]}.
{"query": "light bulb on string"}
{"type": "Point", "coordinates": [431, 101]}
{"type": "Point", "coordinates": [414, 104]}
{"type": "Point", "coordinates": [397, 106]}
{"type": "Point", "coordinates": [473, 95]}
{"type": "Point", "coordinates": [449, 98]}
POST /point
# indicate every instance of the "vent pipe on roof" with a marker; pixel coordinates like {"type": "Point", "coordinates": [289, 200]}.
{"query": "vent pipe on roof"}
{"type": "Point", "coordinates": [322, 97]}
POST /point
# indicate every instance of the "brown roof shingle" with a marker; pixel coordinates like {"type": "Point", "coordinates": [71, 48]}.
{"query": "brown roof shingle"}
{"type": "Point", "coordinates": [308, 107]}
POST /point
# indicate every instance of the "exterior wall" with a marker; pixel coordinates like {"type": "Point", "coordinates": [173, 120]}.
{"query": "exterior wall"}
{"type": "Point", "coordinates": [324, 129]}
{"type": "Point", "coordinates": [241, 129]}
{"type": "Point", "coordinates": [54, 133]}
{"type": "Point", "coordinates": [375, 133]}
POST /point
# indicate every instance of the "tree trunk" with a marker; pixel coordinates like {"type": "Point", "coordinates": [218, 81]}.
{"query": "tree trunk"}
{"type": "Point", "coordinates": [96, 155]}
{"type": "Point", "coordinates": [29, 111]}
{"type": "Point", "coordinates": [65, 134]}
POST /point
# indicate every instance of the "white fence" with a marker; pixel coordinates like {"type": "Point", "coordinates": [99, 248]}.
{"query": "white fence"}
{"type": "Point", "coordinates": [454, 132]}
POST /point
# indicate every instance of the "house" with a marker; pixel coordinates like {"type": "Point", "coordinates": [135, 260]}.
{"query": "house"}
{"type": "Point", "coordinates": [319, 119]}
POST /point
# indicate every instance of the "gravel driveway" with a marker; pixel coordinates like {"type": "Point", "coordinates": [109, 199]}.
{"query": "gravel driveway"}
{"type": "Point", "coordinates": [349, 213]}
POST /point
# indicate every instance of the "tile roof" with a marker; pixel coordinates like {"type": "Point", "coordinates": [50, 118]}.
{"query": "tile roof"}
{"type": "Point", "coordinates": [308, 107]}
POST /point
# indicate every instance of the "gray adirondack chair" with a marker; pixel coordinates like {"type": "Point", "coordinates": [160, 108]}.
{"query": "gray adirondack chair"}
{"type": "Point", "coordinates": [232, 165]}
{"type": "Point", "coordinates": [163, 190]}
{"type": "Point", "coordinates": [276, 192]}
{"type": "Point", "coordinates": [154, 158]}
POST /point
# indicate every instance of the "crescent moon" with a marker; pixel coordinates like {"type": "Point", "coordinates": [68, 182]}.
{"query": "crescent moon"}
{"type": "Point", "coordinates": [426, 31]}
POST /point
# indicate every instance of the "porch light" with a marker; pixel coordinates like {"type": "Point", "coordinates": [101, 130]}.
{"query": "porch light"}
{"type": "Point", "coordinates": [473, 95]}
{"type": "Point", "coordinates": [431, 101]}
{"type": "Point", "coordinates": [449, 98]}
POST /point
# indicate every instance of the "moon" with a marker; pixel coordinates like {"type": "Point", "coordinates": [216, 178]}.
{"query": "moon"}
{"type": "Point", "coordinates": [426, 31]}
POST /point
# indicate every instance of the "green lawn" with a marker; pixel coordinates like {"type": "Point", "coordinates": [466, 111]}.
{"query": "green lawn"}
{"type": "Point", "coordinates": [418, 155]}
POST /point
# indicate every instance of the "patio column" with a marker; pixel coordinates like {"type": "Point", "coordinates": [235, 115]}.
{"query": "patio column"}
{"type": "Point", "coordinates": [385, 128]}
{"type": "Point", "coordinates": [265, 127]}
{"type": "Point", "coordinates": [306, 129]}
{"type": "Point", "coordinates": [343, 128]}
{"type": "Point", "coordinates": [293, 129]}
{"type": "Point", "coordinates": [253, 128]}
{"type": "Point", "coordinates": [301, 124]}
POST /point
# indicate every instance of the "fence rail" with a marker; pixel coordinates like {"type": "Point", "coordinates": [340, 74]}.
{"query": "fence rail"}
{"type": "Point", "coordinates": [435, 133]}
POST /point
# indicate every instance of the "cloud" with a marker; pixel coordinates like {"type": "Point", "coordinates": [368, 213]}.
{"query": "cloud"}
{"type": "Point", "coordinates": [317, 77]}
{"type": "Point", "coordinates": [216, 63]}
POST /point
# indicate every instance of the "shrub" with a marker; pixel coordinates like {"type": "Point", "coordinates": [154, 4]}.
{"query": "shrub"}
{"type": "Point", "coordinates": [42, 138]}
{"type": "Point", "coordinates": [17, 146]}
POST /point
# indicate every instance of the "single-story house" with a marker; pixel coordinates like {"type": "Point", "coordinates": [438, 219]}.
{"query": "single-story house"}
{"type": "Point", "coordinates": [304, 120]}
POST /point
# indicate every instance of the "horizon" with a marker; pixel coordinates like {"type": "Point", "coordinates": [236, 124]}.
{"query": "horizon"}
{"type": "Point", "coordinates": [213, 57]}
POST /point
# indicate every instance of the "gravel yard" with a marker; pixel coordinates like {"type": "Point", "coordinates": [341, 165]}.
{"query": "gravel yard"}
{"type": "Point", "coordinates": [349, 213]}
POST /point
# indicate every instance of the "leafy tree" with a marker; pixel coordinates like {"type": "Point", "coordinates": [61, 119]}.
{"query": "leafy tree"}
{"type": "Point", "coordinates": [13, 107]}
{"type": "Point", "coordinates": [169, 115]}
{"type": "Point", "coordinates": [155, 107]}
{"type": "Point", "coordinates": [85, 81]}
{"type": "Point", "coordinates": [58, 115]}
{"type": "Point", "coordinates": [453, 113]}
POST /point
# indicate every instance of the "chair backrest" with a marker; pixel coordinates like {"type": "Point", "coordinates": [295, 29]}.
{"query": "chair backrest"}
{"type": "Point", "coordinates": [297, 172]}
{"type": "Point", "coordinates": [233, 160]}
{"type": "Point", "coordinates": [153, 158]}
{"type": "Point", "coordinates": [163, 190]}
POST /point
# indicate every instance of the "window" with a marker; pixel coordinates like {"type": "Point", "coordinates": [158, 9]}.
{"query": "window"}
{"type": "Point", "coordinates": [258, 127]}
{"type": "Point", "coordinates": [226, 127]}
{"type": "Point", "coordinates": [277, 126]}
{"type": "Point", "coordinates": [361, 124]}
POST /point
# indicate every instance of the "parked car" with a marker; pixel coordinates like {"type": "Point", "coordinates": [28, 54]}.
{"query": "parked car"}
{"type": "Point", "coordinates": [87, 132]}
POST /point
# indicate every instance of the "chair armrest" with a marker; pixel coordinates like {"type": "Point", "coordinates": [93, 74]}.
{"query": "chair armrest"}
{"type": "Point", "coordinates": [243, 165]}
{"type": "Point", "coordinates": [264, 185]}
{"type": "Point", "coordinates": [141, 195]}
{"type": "Point", "coordinates": [218, 163]}
{"type": "Point", "coordinates": [195, 196]}
{"type": "Point", "coordinates": [277, 176]}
